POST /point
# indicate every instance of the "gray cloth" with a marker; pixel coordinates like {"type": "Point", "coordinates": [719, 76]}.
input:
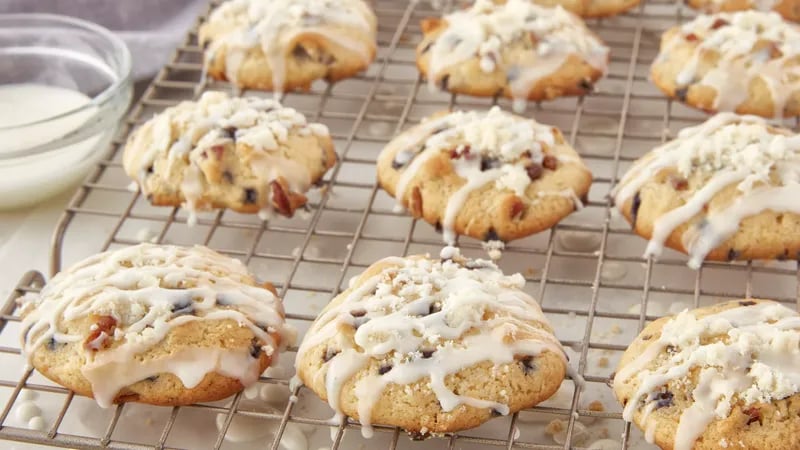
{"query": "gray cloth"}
{"type": "Point", "coordinates": [150, 28]}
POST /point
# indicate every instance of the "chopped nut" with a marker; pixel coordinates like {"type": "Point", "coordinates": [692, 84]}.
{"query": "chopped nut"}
{"type": "Point", "coordinates": [279, 199]}
{"type": "Point", "coordinates": [517, 207]}
{"type": "Point", "coordinates": [678, 183]}
{"type": "Point", "coordinates": [415, 202]}
{"type": "Point", "coordinates": [719, 23]}
{"type": "Point", "coordinates": [218, 150]}
{"type": "Point", "coordinates": [550, 162]}
{"type": "Point", "coordinates": [774, 51]}
{"type": "Point", "coordinates": [753, 415]}
{"type": "Point", "coordinates": [103, 329]}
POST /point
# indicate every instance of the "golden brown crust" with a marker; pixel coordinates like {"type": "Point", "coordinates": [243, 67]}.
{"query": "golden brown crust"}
{"type": "Point", "coordinates": [308, 55]}
{"type": "Point", "coordinates": [489, 213]}
{"type": "Point", "coordinates": [129, 325]}
{"type": "Point", "coordinates": [228, 177]}
{"type": "Point", "coordinates": [767, 235]}
{"type": "Point", "coordinates": [575, 76]}
{"type": "Point", "coordinates": [415, 407]}
{"type": "Point", "coordinates": [63, 364]}
{"type": "Point", "coordinates": [774, 425]}
{"type": "Point", "coordinates": [674, 58]}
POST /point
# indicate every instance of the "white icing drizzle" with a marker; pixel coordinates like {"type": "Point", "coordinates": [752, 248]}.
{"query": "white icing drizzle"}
{"type": "Point", "coordinates": [217, 120]}
{"type": "Point", "coordinates": [763, 163]}
{"type": "Point", "coordinates": [493, 146]}
{"type": "Point", "coordinates": [427, 319]}
{"type": "Point", "coordinates": [742, 356]}
{"type": "Point", "coordinates": [484, 29]}
{"type": "Point", "coordinates": [148, 290]}
{"type": "Point", "coordinates": [750, 44]}
{"type": "Point", "coordinates": [275, 25]}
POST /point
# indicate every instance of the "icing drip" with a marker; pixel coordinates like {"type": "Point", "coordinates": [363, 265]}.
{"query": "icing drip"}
{"type": "Point", "coordinates": [742, 356]}
{"type": "Point", "coordinates": [212, 125]}
{"type": "Point", "coordinates": [274, 26]}
{"type": "Point", "coordinates": [428, 319]}
{"type": "Point", "coordinates": [762, 162]}
{"type": "Point", "coordinates": [147, 290]}
{"type": "Point", "coordinates": [750, 45]}
{"type": "Point", "coordinates": [485, 147]}
{"type": "Point", "coordinates": [486, 28]}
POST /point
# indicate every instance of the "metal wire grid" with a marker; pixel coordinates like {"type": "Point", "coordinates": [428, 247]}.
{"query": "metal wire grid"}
{"type": "Point", "coordinates": [622, 119]}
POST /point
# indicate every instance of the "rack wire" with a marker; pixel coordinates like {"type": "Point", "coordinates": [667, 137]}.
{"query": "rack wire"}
{"type": "Point", "coordinates": [587, 272]}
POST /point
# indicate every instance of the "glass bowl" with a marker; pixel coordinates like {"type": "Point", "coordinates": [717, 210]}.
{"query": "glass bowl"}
{"type": "Point", "coordinates": [64, 86]}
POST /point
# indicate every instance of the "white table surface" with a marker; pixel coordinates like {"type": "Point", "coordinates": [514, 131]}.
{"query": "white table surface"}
{"type": "Point", "coordinates": [25, 239]}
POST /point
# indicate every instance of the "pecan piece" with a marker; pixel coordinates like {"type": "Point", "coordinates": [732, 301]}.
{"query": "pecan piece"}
{"type": "Point", "coordinates": [679, 183]}
{"type": "Point", "coordinates": [719, 23]}
{"type": "Point", "coordinates": [415, 202]}
{"type": "Point", "coordinates": [515, 212]}
{"type": "Point", "coordinates": [550, 162]}
{"type": "Point", "coordinates": [279, 199]}
{"type": "Point", "coordinates": [102, 329]}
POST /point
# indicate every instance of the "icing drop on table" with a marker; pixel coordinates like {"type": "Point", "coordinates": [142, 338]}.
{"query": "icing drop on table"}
{"type": "Point", "coordinates": [613, 271]}
{"type": "Point", "coordinates": [579, 241]}
{"type": "Point", "coordinates": [27, 410]}
{"type": "Point", "coordinates": [37, 423]}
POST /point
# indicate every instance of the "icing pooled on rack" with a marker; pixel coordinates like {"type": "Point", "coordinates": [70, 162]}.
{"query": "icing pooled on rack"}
{"type": "Point", "coordinates": [740, 356]}
{"type": "Point", "coordinates": [745, 152]}
{"type": "Point", "coordinates": [135, 298]}
{"type": "Point", "coordinates": [495, 147]}
{"type": "Point", "coordinates": [279, 29]}
{"type": "Point", "coordinates": [750, 45]}
{"type": "Point", "coordinates": [487, 28]}
{"type": "Point", "coordinates": [411, 320]}
{"type": "Point", "coordinates": [233, 151]}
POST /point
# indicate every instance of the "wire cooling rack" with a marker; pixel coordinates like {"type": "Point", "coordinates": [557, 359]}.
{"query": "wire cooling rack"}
{"type": "Point", "coordinates": [587, 272]}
